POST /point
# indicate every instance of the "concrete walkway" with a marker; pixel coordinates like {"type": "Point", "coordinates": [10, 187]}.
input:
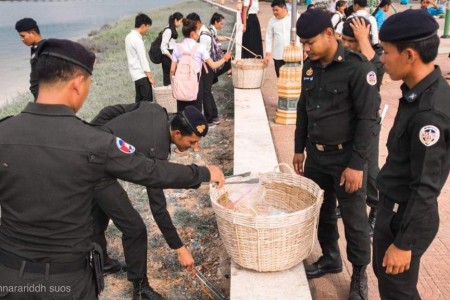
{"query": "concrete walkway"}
{"type": "Point", "coordinates": [434, 281]}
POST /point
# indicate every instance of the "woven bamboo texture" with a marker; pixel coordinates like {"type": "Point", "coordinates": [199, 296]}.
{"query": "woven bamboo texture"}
{"type": "Point", "coordinates": [276, 242]}
{"type": "Point", "coordinates": [163, 96]}
{"type": "Point", "coordinates": [248, 73]}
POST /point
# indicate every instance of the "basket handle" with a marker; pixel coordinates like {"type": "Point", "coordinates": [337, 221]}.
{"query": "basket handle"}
{"type": "Point", "coordinates": [277, 167]}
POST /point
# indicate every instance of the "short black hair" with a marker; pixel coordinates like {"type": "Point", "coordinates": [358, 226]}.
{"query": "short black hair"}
{"type": "Point", "coordinates": [427, 49]}
{"type": "Point", "coordinates": [51, 69]}
{"type": "Point", "coordinates": [142, 19]}
{"type": "Point", "coordinates": [361, 3]}
{"type": "Point", "coordinates": [194, 17]}
{"type": "Point", "coordinates": [216, 17]}
{"type": "Point", "coordinates": [180, 123]}
{"type": "Point", "coordinates": [279, 3]}
{"type": "Point", "coordinates": [311, 6]}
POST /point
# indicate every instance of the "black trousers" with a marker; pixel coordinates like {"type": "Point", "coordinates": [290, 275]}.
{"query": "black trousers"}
{"type": "Point", "coordinates": [252, 38]}
{"type": "Point", "coordinates": [39, 286]}
{"type": "Point", "coordinates": [166, 63]}
{"type": "Point", "coordinates": [403, 285]}
{"type": "Point", "coordinates": [143, 90]}
{"type": "Point", "coordinates": [278, 64]}
{"type": "Point", "coordinates": [325, 168]}
{"type": "Point", "coordinates": [373, 168]}
{"type": "Point", "coordinates": [205, 95]}
{"type": "Point", "coordinates": [112, 202]}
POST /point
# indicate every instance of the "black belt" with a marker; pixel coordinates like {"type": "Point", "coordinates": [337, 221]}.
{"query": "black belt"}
{"type": "Point", "coordinates": [19, 264]}
{"type": "Point", "coordinates": [392, 205]}
{"type": "Point", "coordinates": [326, 148]}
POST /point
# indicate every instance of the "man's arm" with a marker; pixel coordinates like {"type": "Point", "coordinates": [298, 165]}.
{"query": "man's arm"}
{"type": "Point", "coordinates": [142, 57]}
{"type": "Point", "coordinates": [301, 132]}
{"type": "Point", "coordinates": [269, 40]}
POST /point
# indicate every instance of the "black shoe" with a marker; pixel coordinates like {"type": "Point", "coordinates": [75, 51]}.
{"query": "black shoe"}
{"type": "Point", "coordinates": [372, 220]}
{"type": "Point", "coordinates": [326, 264]}
{"type": "Point", "coordinates": [338, 212]}
{"type": "Point", "coordinates": [111, 265]}
{"type": "Point", "coordinates": [143, 291]}
{"type": "Point", "coordinates": [358, 285]}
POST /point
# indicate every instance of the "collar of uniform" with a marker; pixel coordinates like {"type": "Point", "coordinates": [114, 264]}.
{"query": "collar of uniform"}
{"type": "Point", "coordinates": [213, 30]}
{"type": "Point", "coordinates": [48, 109]}
{"type": "Point", "coordinates": [410, 95]}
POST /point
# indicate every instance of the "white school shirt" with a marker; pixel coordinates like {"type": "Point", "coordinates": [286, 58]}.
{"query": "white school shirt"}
{"type": "Point", "coordinates": [199, 56]}
{"type": "Point", "coordinates": [337, 19]}
{"type": "Point", "coordinates": [167, 42]}
{"type": "Point", "coordinates": [205, 40]}
{"type": "Point", "coordinates": [254, 8]}
{"type": "Point", "coordinates": [278, 36]}
{"type": "Point", "coordinates": [136, 55]}
{"type": "Point", "coordinates": [373, 24]}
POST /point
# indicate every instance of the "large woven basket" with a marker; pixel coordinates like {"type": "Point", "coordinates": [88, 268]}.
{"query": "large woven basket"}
{"type": "Point", "coordinates": [275, 242]}
{"type": "Point", "coordinates": [248, 73]}
{"type": "Point", "coordinates": [163, 96]}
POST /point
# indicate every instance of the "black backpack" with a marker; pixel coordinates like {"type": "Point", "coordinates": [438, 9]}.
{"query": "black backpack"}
{"type": "Point", "coordinates": [155, 53]}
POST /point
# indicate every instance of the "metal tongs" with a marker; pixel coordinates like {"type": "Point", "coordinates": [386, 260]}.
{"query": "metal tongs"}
{"type": "Point", "coordinates": [246, 174]}
{"type": "Point", "coordinates": [215, 293]}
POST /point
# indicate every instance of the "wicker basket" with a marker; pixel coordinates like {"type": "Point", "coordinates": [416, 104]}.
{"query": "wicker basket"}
{"type": "Point", "coordinates": [276, 242]}
{"type": "Point", "coordinates": [164, 97]}
{"type": "Point", "coordinates": [248, 73]}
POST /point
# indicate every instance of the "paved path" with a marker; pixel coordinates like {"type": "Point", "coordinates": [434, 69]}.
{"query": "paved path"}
{"type": "Point", "coordinates": [434, 281]}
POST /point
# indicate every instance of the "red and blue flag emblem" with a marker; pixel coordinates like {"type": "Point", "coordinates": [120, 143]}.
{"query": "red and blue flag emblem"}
{"type": "Point", "coordinates": [124, 146]}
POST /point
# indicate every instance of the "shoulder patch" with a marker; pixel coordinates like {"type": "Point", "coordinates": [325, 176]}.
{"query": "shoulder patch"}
{"type": "Point", "coordinates": [371, 78]}
{"type": "Point", "coordinates": [429, 135]}
{"type": "Point", "coordinates": [124, 146]}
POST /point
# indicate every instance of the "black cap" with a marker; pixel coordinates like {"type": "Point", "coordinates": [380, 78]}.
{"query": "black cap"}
{"type": "Point", "coordinates": [25, 24]}
{"type": "Point", "coordinates": [70, 51]}
{"type": "Point", "coordinates": [313, 22]}
{"type": "Point", "coordinates": [412, 25]}
{"type": "Point", "coordinates": [348, 31]}
{"type": "Point", "coordinates": [196, 120]}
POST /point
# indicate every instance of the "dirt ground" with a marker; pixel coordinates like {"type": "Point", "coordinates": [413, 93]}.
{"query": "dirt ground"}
{"type": "Point", "coordinates": [193, 217]}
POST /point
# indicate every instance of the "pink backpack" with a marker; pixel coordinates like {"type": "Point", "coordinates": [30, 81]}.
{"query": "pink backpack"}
{"type": "Point", "coordinates": [186, 80]}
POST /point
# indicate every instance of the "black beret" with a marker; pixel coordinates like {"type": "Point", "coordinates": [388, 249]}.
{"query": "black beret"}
{"type": "Point", "coordinates": [196, 120]}
{"type": "Point", "coordinates": [348, 31]}
{"type": "Point", "coordinates": [70, 51]}
{"type": "Point", "coordinates": [411, 25]}
{"type": "Point", "coordinates": [313, 22]}
{"type": "Point", "coordinates": [26, 24]}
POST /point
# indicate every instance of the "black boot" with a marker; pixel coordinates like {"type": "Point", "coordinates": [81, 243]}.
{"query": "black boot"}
{"type": "Point", "coordinates": [143, 291]}
{"type": "Point", "coordinates": [358, 286]}
{"type": "Point", "coordinates": [111, 265]}
{"type": "Point", "coordinates": [372, 220]}
{"type": "Point", "coordinates": [329, 262]}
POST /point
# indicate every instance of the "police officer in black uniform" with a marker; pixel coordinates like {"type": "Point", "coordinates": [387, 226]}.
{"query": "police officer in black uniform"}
{"type": "Point", "coordinates": [418, 145]}
{"type": "Point", "coordinates": [145, 125]}
{"type": "Point", "coordinates": [50, 164]}
{"type": "Point", "coordinates": [356, 36]}
{"type": "Point", "coordinates": [30, 34]}
{"type": "Point", "coordinates": [335, 114]}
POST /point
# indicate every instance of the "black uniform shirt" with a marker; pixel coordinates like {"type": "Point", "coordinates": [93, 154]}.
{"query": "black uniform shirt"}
{"type": "Point", "coordinates": [338, 104]}
{"type": "Point", "coordinates": [145, 126]}
{"type": "Point", "coordinates": [34, 82]}
{"type": "Point", "coordinates": [50, 162]}
{"type": "Point", "coordinates": [417, 165]}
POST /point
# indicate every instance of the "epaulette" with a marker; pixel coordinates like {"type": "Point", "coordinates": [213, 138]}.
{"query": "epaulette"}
{"type": "Point", "coordinates": [357, 54]}
{"type": "Point", "coordinates": [1, 120]}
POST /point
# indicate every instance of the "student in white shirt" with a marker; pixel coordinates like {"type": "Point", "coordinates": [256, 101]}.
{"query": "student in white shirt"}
{"type": "Point", "coordinates": [278, 34]}
{"type": "Point", "coordinates": [191, 35]}
{"type": "Point", "coordinates": [339, 17]}
{"type": "Point", "coordinates": [168, 42]}
{"type": "Point", "coordinates": [359, 7]}
{"type": "Point", "coordinates": [137, 59]}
